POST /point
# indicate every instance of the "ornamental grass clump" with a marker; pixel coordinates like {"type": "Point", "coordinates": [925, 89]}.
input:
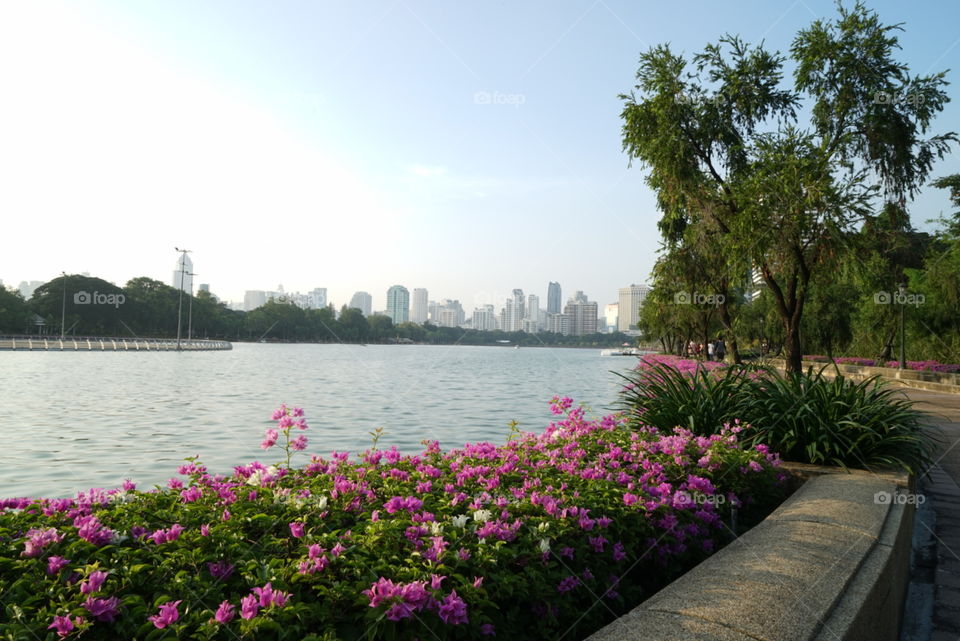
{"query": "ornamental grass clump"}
{"type": "Point", "coordinates": [806, 417]}
{"type": "Point", "coordinates": [548, 535]}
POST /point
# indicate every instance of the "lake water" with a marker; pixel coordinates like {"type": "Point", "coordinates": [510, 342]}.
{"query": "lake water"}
{"type": "Point", "coordinates": [74, 420]}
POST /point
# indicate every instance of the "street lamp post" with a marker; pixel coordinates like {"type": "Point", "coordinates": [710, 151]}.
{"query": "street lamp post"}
{"type": "Point", "coordinates": [902, 290]}
{"type": "Point", "coordinates": [190, 312]}
{"type": "Point", "coordinates": [183, 257]}
{"type": "Point", "coordinates": [63, 308]}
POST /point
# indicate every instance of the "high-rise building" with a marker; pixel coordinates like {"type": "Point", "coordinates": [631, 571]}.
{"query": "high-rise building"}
{"type": "Point", "coordinates": [362, 301]}
{"type": "Point", "coordinates": [583, 315]}
{"type": "Point", "coordinates": [485, 319]}
{"type": "Point", "coordinates": [558, 324]}
{"type": "Point", "coordinates": [204, 287]}
{"type": "Point", "coordinates": [418, 307]}
{"type": "Point", "coordinates": [533, 315]}
{"type": "Point", "coordinates": [318, 297]}
{"type": "Point", "coordinates": [610, 313]}
{"type": "Point", "coordinates": [183, 274]}
{"type": "Point", "coordinates": [449, 313]}
{"type": "Point", "coordinates": [631, 298]}
{"type": "Point", "coordinates": [553, 298]}
{"type": "Point", "coordinates": [513, 312]}
{"type": "Point", "coordinates": [398, 304]}
{"type": "Point", "coordinates": [254, 298]}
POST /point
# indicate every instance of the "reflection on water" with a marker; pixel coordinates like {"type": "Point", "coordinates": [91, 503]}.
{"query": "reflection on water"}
{"type": "Point", "coordinates": [70, 421]}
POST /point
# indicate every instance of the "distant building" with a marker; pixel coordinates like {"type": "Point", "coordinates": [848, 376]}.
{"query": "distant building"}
{"type": "Point", "coordinates": [182, 274]}
{"type": "Point", "coordinates": [362, 301]}
{"type": "Point", "coordinates": [254, 298]}
{"type": "Point", "coordinates": [558, 324]}
{"type": "Point", "coordinates": [398, 304]}
{"type": "Point", "coordinates": [485, 319]}
{"type": "Point", "coordinates": [553, 298]}
{"type": "Point", "coordinates": [419, 306]}
{"type": "Point", "coordinates": [583, 315]}
{"type": "Point", "coordinates": [318, 297]}
{"type": "Point", "coordinates": [204, 287]}
{"type": "Point", "coordinates": [611, 311]}
{"type": "Point", "coordinates": [532, 315]}
{"type": "Point", "coordinates": [513, 313]}
{"type": "Point", "coordinates": [27, 288]}
{"type": "Point", "coordinates": [631, 298]}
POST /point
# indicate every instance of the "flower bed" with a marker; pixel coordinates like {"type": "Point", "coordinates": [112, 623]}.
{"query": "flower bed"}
{"type": "Point", "coordinates": [575, 525]}
{"type": "Point", "coordinates": [923, 366]}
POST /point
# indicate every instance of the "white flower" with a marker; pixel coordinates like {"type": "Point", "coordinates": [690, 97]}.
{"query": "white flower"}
{"type": "Point", "coordinates": [436, 529]}
{"type": "Point", "coordinates": [118, 538]}
{"type": "Point", "coordinates": [254, 479]}
{"type": "Point", "coordinates": [482, 516]}
{"type": "Point", "coordinates": [460, 521]}
{"type": "Point", "coordinates": [322, 502]}
{"type": "Point", "coordinates": [543, 527]}
{"type": "Point", "coordinates": [544, 545]}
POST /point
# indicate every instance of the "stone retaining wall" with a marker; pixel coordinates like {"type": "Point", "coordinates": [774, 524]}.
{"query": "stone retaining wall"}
{"type": "Point", "coordinates": [831, 563]}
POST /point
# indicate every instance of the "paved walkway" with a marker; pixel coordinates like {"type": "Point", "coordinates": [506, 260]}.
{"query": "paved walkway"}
{"type": "Point", "coordinates": [933, 607]}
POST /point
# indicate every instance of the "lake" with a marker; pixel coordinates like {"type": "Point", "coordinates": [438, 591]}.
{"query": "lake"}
{"type": "Point", "coordinates": [75, 420]}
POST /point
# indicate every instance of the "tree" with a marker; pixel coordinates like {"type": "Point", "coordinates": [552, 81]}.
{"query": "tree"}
{"type": "Point", "coordinates": [730, 160]}
{"type": "Point", "coordinates": [14, 313]}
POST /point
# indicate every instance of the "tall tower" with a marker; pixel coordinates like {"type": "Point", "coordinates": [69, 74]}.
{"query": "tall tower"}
{"type": "Point", "coordinates": [182, 274]}
{"type": "Point", "coordinates": [418, 308]}
{"type": "Point", "coordinates": [362, 301]}
{"type": "Point", "coordinates": [398, 304]}
{"type": "Point", "coordinates": [553, 298]}
{"type": "Point", "coordinates": [631, 298]}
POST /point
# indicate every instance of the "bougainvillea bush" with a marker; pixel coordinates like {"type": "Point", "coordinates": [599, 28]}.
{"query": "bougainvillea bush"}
{"type": "Point", "coordinates": [548, 535]}
{"type": "Point", "coordinates": [924, 366]}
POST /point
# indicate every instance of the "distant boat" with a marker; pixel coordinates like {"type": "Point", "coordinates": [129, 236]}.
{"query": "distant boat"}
{"type": "Point", "coordinates": [516, 347]}
{"type": "Point", "coordinates": [621, 351]}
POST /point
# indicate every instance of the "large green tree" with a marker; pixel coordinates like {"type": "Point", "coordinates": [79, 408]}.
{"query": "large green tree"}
{"type": "Point", "coordinates": [773, 172]}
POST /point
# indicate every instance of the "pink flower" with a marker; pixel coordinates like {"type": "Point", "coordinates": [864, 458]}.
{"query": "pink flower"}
{"type": "Point", "coordinates": [191, 494]}
{"type": "Point", "coordinates": [270, 439]}
{"type": "Point", "coordinates": [297, 529]}
{"type": "Point", "coordinates": [453, 610]}
{"type": "Point", "coordinates": [93, 582]}
{"type": "Point", "coordinates": [204, 530]}
{"type": "Point", "coordinates": [64, 626]}
{"type": "Point", "coordinates": [220, 570]}
{"type": "Point", "coordinates": [487, 629]}
{"type": "Point", "coordinates": [337, 550]}
{"type": "Point", "coordinates": [249, 606]}
{"type": "Point", "coordinates": [299, 443]}
{"type": "Point", "coordinates": [39, 539]}
{"type": "Point", "coordinates": [55, 564]}
{"type": "Point", "coordinates": [167, 616]}
{"type": "Point", "coordinates": [225, 613]}
{"type": "Point", "coordinates": [103, 609]}
{"type": "Point", "coordinates": [129, 485]}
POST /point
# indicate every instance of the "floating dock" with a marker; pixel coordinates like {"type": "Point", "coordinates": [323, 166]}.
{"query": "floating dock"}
{"type": "Point", "coordinates": [100, 344]}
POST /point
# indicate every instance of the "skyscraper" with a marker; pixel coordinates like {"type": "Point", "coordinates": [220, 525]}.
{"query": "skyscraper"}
{"type": "Point", "coordinates": [484, 318]}
{"type": "Point", "coordinates": [583, 315]}
{"type": "Point", "coordinates": [418, 308]}
{"type": "Point", "coordinates": [553, 298]}
{"type": "Point", "coordinates": [362, 301]}
{"type": "Point", "coordinates": [513, 312]}
{"type": "Point", "coordinates": [183, 274]}
{"type": "Point", "coordinates": [532, 320]}
{"type": "Point", "coordinates": [631, 298]}
{"type": "Point", "coordinates": [398, 304]}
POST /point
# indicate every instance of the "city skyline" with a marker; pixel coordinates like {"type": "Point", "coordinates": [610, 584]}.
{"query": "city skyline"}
{"type": "Point", "coordinates": [359, 145]}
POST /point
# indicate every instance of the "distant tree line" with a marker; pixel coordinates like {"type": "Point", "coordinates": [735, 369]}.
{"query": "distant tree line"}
{"type": "Point", "coordinates": [145, 307]}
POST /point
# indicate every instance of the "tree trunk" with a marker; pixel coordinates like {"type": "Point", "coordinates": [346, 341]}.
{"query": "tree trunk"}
{"type": "Point", "coordinates": [731, 337]}
{"type": "Point", "coordinates": [794, 356]}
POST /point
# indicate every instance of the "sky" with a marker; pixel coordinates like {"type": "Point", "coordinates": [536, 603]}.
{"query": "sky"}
{"type": "Point", "coordinates": [467, 148]}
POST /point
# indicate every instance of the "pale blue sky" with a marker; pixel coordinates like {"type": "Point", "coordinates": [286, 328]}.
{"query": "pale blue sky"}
{"type": "Point", "coordinates": [469, 148]}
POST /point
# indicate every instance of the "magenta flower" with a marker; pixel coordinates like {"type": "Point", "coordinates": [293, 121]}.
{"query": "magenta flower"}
{"type": "Point", "coordinates": [64, 626]}
{"type": "Point", "coordinates": [220, 570]}
{"type": "Point", "coordinates": [488, 629]}
{"type": "Point", "coordinates": [297, 529]}
{"type": "Point", "coordinates": [55, 564]}
{"type": "Point", "coordinates": [93, 582]}
{"type": "Point", "coordinates": [39, 539]}
{"type": "Point", "coordinates": [453, 610]}
{"type": "Point", "coordinates": [270, 439]}
{"type": "Point", "coordinates": [299, 443]}
{"type": "Point", "coordinates": [249, 606]}
{"type": "Point", "coordinates": [191, 494]}
{"type": "Point", "coordinates": [225, 613]}
{"type": "Point", "coordinates": [204, 530]}
{"type": "Point", "coordinates": [102, 609]}
{"type": "Point", "coordinates": [167, 616]}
